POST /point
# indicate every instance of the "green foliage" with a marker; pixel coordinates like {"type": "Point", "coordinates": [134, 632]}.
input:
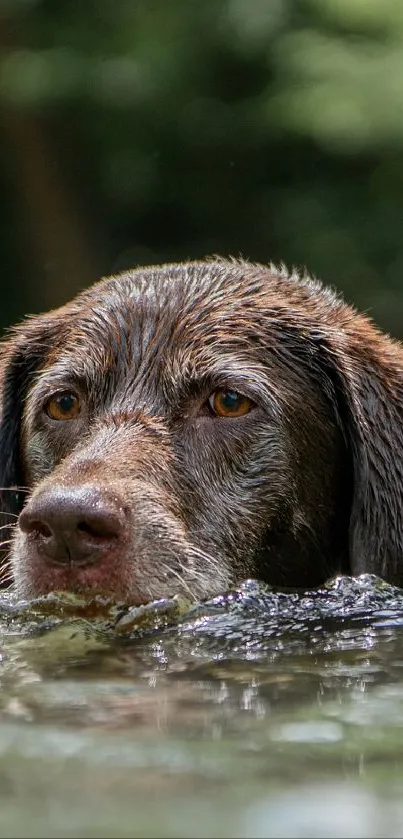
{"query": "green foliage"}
{"type": "Point", "coordinates": [271, 128]}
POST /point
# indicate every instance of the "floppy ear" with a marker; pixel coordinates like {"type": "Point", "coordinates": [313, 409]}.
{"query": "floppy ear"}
{"type": "Point", "coordinates": [20, 357]}
{"type": "Point", "coordinates": [365, 369]}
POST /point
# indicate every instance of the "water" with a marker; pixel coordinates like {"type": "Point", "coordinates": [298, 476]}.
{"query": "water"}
{"type": "Point", "coordinates": [258, 714]}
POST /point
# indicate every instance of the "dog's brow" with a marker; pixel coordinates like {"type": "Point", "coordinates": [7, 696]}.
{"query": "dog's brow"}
{"type": "Point", "coordinates": [187, 377]}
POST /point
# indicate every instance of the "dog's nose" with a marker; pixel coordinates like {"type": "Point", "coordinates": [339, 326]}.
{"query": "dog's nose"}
{"type": "Point", "coordinates": [74, 526]}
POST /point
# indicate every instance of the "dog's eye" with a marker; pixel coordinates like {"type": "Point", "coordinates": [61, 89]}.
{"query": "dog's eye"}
{"type": "Point", "coordinates": [63, 406]}
{"type": "Point", "coordinates": [229, 403]}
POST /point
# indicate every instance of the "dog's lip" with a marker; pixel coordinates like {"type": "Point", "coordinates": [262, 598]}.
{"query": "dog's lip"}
{"type": "Point", "coordinates": [88, 580]}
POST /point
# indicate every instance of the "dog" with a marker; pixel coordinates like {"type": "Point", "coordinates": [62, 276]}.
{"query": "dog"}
{"type": "Point", "coordinates": [179, 428]}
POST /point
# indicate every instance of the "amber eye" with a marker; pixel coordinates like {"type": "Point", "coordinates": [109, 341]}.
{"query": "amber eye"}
{"type": "Point", "coordinates": [230, 403]}
{"type": "Point", "coordinates": [63, 406]}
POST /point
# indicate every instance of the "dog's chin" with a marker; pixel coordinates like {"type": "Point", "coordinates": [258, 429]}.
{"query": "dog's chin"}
{"type": "Point", "coordinates": [35, 577]}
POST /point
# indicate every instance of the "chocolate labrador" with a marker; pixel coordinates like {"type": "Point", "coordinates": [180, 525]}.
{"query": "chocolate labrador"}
{"type": "Point", "coordinates": [180, 428]}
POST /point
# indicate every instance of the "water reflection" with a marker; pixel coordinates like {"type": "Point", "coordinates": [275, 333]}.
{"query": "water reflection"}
{"type": "Point", "coordinates": [260, 713]}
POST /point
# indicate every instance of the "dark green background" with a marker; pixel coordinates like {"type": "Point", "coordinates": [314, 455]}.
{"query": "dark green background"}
{"type": "Point", "coordinates": [135, 131]}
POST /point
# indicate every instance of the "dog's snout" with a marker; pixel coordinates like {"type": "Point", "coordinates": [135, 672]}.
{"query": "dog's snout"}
{"type": "Point", "coordinates": [74, 526]}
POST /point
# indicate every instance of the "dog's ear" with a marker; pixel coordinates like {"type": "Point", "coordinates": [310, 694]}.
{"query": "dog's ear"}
{"type": "Point", "coordinates": [364, 372]}
{"type": "Point", "coordinates": [21, 355]}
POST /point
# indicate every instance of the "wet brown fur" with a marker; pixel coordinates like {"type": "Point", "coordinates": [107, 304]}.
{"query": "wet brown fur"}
{"type": "Point", "coordinates": [309, 483]}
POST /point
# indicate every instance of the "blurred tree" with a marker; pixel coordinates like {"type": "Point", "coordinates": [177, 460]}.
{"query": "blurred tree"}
{"type": "Point", "coordinates": [148, 131]}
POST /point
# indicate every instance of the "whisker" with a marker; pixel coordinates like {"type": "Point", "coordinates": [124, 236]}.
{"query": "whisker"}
{"type": "Point", "coordinates": [183, 582]}
{"type": "Point", "coordinates": [15, 489]}
{"type": "Point", "coordinates": [6, 577]}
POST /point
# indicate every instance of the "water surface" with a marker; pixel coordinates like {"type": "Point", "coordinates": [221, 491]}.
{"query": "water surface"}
{"type": "Point", "coordinates": [259, 713]}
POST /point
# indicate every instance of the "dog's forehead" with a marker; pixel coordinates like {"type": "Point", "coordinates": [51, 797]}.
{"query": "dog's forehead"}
{"type": "Point", "coordinates": [183, 290]}
{"type": "Point", "coordinates": [173, 303]}
{"type": "Point", "coordinates": [179, 321]}
{"type": "Point", "coordinates": [174, 323]}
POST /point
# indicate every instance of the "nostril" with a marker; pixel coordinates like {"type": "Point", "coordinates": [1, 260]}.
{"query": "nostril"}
{"type": "Point", "coordinates": [35, 527]}
{"type": "Point", "coordinates": [84, 527]}
{"type": "Point", "coordinates": [104, 527]}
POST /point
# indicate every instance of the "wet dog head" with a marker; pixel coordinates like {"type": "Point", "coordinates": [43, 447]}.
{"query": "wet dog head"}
{"type": "Point", "coordinates": [180, 428]}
